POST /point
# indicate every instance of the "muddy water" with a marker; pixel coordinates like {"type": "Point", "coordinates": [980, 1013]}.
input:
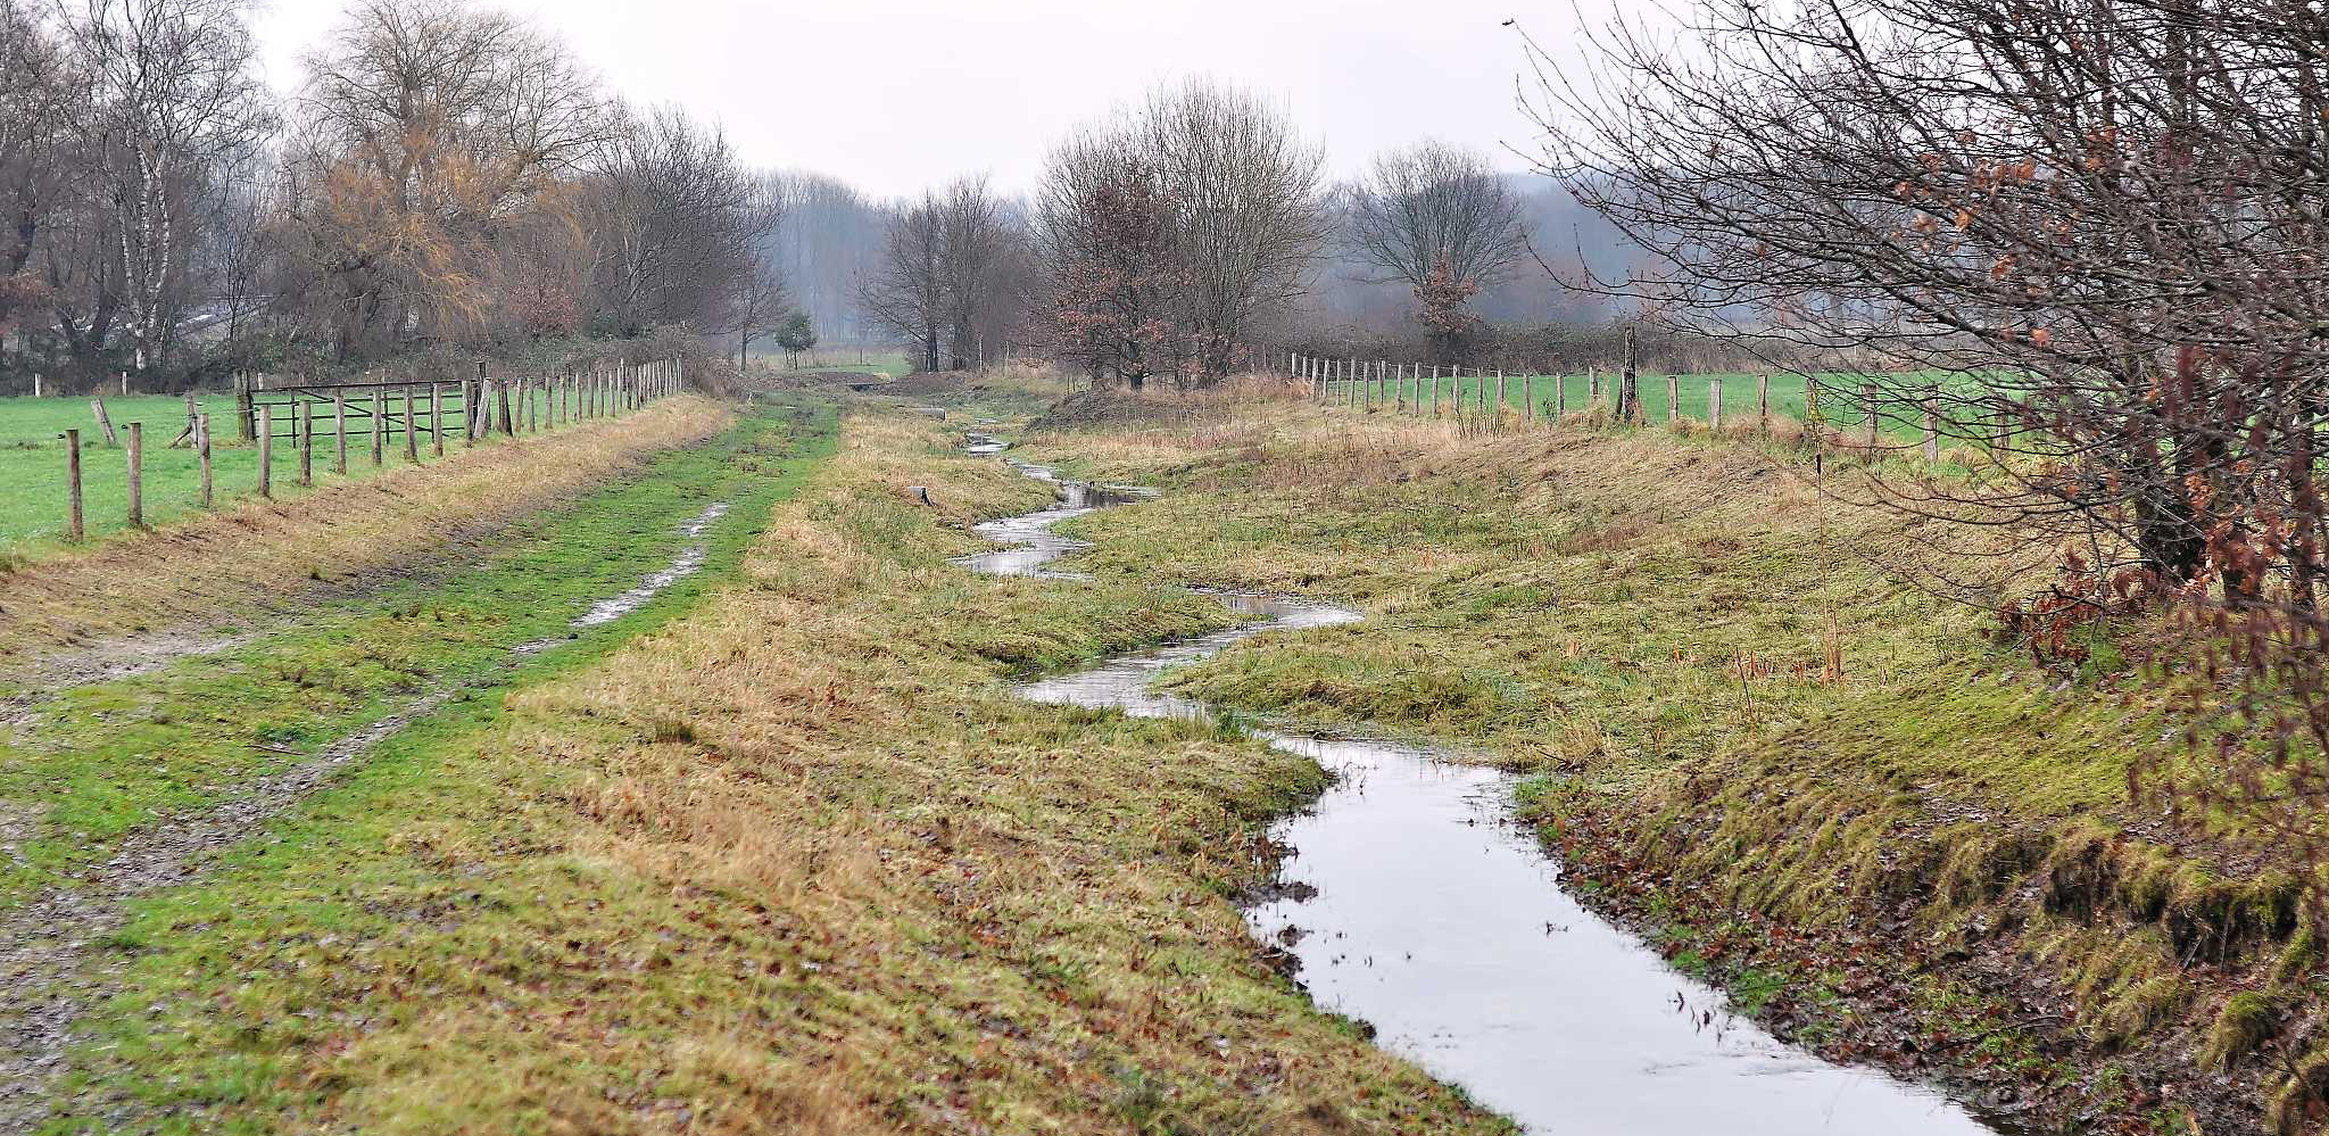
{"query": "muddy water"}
{"type": "Point", "coordinates": [1411, 904]}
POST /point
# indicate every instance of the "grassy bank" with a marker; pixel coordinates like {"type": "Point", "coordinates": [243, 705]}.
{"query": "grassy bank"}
{"type": "Point", "coordinates": [794, 860]}
{"type": "Point", "coordinates": [1899, 841]}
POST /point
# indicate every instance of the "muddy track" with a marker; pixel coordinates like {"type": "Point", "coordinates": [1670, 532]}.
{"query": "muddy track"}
{"type": "Point", "coordinates": [49, 974]}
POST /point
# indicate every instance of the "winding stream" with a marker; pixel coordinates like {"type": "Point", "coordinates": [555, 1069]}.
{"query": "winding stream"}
{"type": "Point", "coordinates": [1412, 905]}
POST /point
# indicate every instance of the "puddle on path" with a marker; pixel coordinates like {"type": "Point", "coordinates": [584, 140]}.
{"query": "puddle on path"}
{"type": "Point", "coordinates": [1411, 903]}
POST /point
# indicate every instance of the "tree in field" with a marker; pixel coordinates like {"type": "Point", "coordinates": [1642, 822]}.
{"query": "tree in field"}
{"type": "Point", "coordinates": [1218, 197]}
{"type": "Point", "coordinates": [796, 334]}
{"type": "Point", "coordinates": [1445, 309]}
{"type": "Point", "coordinates": [2101, 226]}
{"type": "Point", "coordinates": [1441, 220]}
{"type": "Point", "coordinates": [427, 132]}
{"type": "Point", "coordinates": [977, 241]}
{"type": "Point", "coordinates": [172, 96]}
{"type": "Point", "coordinates": [1118, 288]}
{"type": "Point", "coordinates": [907, 292]}
{"type": "Point", "coordinates": [681, 227]}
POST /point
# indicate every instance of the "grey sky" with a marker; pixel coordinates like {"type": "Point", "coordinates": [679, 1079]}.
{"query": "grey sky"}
{"type": "Point", "coordinates": [894, 95]}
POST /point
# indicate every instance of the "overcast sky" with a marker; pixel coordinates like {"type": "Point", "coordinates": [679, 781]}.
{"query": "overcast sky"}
{"type": "Point", "coordinates": [895, 95]}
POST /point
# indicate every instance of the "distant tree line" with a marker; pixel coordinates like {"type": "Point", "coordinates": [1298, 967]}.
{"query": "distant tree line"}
{"type": "Point", "coordinates": [445, 178]}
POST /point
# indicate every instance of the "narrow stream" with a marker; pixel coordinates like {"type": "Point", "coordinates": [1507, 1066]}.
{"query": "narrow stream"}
{"type": "Point", "coordinates": [1413, 905]}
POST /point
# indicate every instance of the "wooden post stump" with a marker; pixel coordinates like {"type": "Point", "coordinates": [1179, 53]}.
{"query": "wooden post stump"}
{"type": "Point", "coordinates": [137, 475]}
{"type": "Point", "coordinates": [73, 483]}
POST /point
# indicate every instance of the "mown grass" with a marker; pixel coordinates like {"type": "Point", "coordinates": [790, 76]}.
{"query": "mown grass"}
{"type": "Point", "coordinates": [100, 759]}
{"type": "Point", "coordinates": [1643, 622]}
{"type": "Point", "coordinates": [796, 861]}
{"type": "Point", "coordinates": [35, 506]}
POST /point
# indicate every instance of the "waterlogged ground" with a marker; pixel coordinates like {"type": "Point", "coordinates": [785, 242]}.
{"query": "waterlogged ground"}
{"type": "Point", "coordinates": [1411, 902]}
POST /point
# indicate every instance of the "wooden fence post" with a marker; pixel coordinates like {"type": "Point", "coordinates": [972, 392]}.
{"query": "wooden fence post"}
{"type": "Point", "coordinates": [340, 432]}
{"type": "Point", "coordinates": [1763, 402]}
{"type": "Point", "coordinates": [1592, 384]}
{"type": "Point", "coordinates": [1629, 392]}
{"type": "Point", "coordinates": [501, 397]}
{"type": "Point", "coordinates": [437, 420]}
{"type": "Point", "coordinates": [412, 445]}
{"type": "Point", "coordinates": [1528, 394]}
{"type": "Point", "coordinates": [202, 452]}
{"type": "Point", "coordinates": [1932, 424]}
{"type": "Point", "coordinates": [306, 442]}
{"type": "Point", "coordinates": [137, 475]}
{"type": "Point", "coordinates": [1560, 398]}
{"type": "Point", "coordinates": [245, 420]}
{"type": "Point", "coordinates": [1714, 403]}
{"type": "Point", "coordinates": [36, 391]}
{"type": "Point", "coordinates": [1868, 397]}
{"type": "Point", "coordinates": [73, 481]}
{"type": "Point", "coordinates": [266, 451]}
{"type": "Point", "coordinates": [104, 420]}
{"type": "Point", "coordinates": [379, 424]}
{"type": "Point", "coordinates": [1673, 398]}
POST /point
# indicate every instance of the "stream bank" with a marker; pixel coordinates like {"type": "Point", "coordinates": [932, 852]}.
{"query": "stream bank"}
{"type": "Point", "coordinates": [1413, 904]}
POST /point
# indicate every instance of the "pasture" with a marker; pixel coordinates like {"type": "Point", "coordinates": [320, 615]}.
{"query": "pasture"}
{"type": "Point", "coordinates": [1840, 404]}
{"type": "Point", "coordinates": [35, 509]}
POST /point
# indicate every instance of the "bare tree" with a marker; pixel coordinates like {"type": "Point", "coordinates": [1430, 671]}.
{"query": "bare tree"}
{"type": "Point", "coordinates": [174, 97]}
{"type": "Point", "coordinates": [429, 130]}
{"type": "Point", "coordinates": [1441, 220]}
{"type": "Point", "coordinates": [759, 299]}
{"type": "Point", "coordinates": [678, 220]}
{"type": "Point", "coordinates": [907, 291]}
{"type": "Point", "coordinates": [1250, 217]}
{"type": "Point", "coordinates": [978, 240]}
{"type": "Point", "coordinates": [1245, 228]}
{"type": "Point", "coordinates": [2088, 239]}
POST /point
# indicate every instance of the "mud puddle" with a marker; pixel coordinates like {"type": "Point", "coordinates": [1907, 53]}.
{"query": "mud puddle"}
{"type": "Point", "coordinates": [1410, 902]}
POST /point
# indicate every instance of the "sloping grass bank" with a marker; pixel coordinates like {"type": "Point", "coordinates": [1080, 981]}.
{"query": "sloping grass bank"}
{"type": "Point", "coordinates": [1898, 841]}
{"type": "Point", "coordinates": [793, 861]}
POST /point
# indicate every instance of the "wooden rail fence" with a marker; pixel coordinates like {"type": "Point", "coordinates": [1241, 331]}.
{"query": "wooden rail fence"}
{"type": "Point", "coordinates": [390, 413]}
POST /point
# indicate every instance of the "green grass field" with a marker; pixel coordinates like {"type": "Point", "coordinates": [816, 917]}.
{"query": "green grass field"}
{"type": "Point", "coordinates": [1840, 404]}
{"type": "Point", "coordinates": [891, 363]}
{"type": "Point", "coordinates": [35, 510]}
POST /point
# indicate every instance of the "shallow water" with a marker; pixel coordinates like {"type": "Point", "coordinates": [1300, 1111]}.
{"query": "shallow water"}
{"type": "Point", "coordinates": [1413, 905]}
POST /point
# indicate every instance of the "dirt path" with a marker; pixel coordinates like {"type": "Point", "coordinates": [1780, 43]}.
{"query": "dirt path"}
{"type": "Point", "coordinates": [46, 976]}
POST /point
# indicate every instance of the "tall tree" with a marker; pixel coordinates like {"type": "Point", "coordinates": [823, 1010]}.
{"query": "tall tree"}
{"type": "Point", "coordinates": [1244, 230]}
{"type": "Point", "coordinates": [907, 291]}
{"type": "Point", "coordinates": [1441, 220]}
{"type": "Point", "coordinates": [174, 97]}
{"type": "Point", "coordinates": [428, 132]}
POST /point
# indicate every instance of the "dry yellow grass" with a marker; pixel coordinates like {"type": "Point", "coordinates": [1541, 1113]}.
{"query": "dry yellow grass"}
{"type": "Point", "coordinates": [798, 862]}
